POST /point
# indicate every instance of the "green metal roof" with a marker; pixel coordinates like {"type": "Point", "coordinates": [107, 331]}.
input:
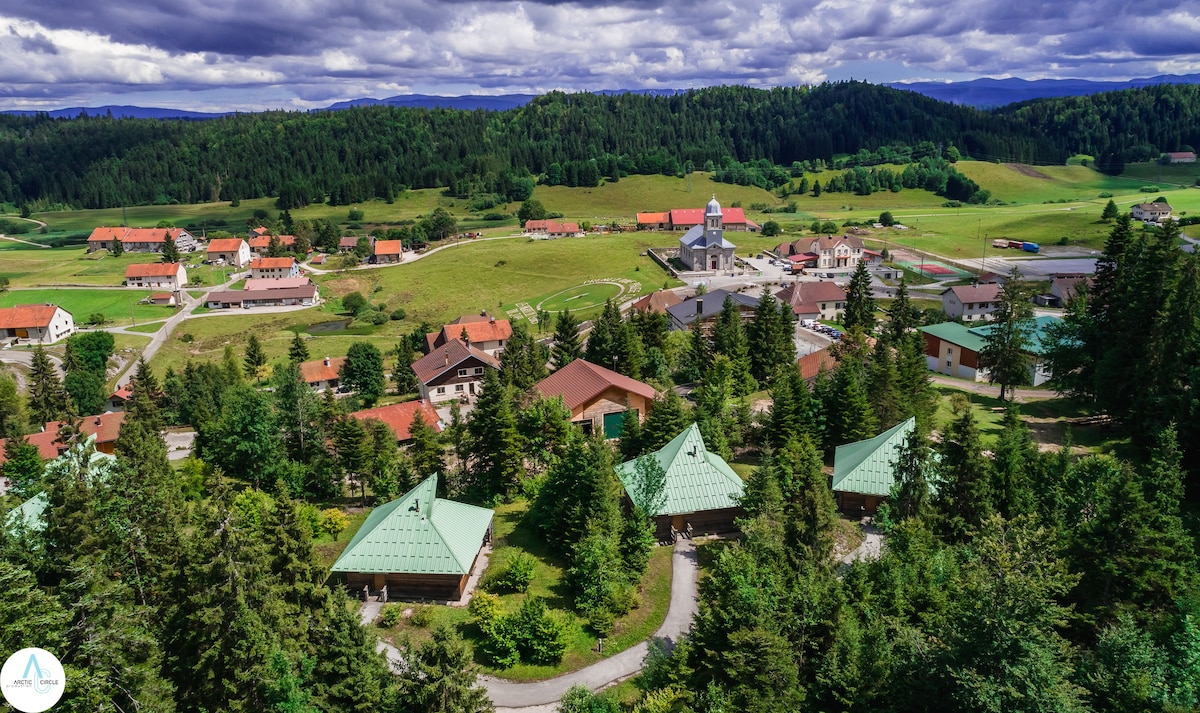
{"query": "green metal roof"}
{"type": "Point", "coordinates": [866, 467]}
{"type": "Point", "coordinates": [29, 514]}
{"type": "Point", "coordinates": [696, 479]}
{"type": "Point", "coordinates": [956, 333]}
{"type": "Point", "coordinates": [418, 534]}
{"type": "Point", "coordinates": [1039, 334]}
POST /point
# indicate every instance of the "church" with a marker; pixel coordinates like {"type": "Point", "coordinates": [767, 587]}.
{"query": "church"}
{"type": "Point", "coordinates": [704, 247]}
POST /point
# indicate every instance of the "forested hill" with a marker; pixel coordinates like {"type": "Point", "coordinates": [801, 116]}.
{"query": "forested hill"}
{"type": "Point", "coordinates": [376, 151]}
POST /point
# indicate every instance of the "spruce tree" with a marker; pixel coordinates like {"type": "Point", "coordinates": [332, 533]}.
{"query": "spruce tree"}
{"type": "Point", "coordinates": [729, 338]}
{"type": "Point", "coordinates": [170, 252]}
{"type": "Point", "coordinates": [901, 314]}
{"type": "Point", "coordinates": [631, 436]}
{"type": "Point", "coordinates": [439, 675]}
{"type": "Point", "coordinates": [22, 467]}
{"type": "Point", "coordinates": [860, 306]}
{"type": "Point", "coordinates": [910, 493]}
{"type": "Point", "coordinates": [255, 358]}
{"type": "Point", "coordinates": [1005, 347]}
{"type": "Point", "coordinates": [1013, 466]}
{"type": "Point", "coordinates": [809, 508]}
{"type": "Point", "coordinates": [118, 248]}
{"type": "Point", "coordinates": [426, 448]}
{"type": "Point", "coordinates": [965, 496]}
{"type": "Point", "coordinates": [667, 419]}
{"type": "Point", "coordinates": [47, 397]}
{"type": "Point", "coordinates": [602, 340]}
{"type": "Point", "coordinates": [523, 362]}
{"type": "Point", "coordinates": [852, 415]}
{"type": "Point", "coordinates": [567, 343]}
{"type": "Point", "coordinates": [1110, 211]}
{"type": "Point", "coordinates": [14, 420]}
{"type": "Point", "coordinates": [404, 379]}
{"type": "Point", "coordinates": [298, 351]}
{"type": "Point", "coordinates": [884, 385]}
{"type": "Point", "coordinates": [762, 333]}
{"type": "Point", "coordinates": [496, 452]}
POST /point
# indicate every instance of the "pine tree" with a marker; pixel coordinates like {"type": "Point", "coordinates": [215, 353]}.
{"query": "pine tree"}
{"type": "Point", "coordinates": [426, 448]}
{"type": "Point", "coordinates": [439, 675]}
{"type": "Point", "coordinates": [602, 340]}
{"type": "Point", "coordinates": [729, 338]}
{"type": "Point", "coordinates": [567, 345]}
{"type": "Point", "coordinates": [667, 419]}
{"type": "Point", "coordinates": [910, 494]}
{"type": "Point", "coordinates": [852, 416]}
{"type": "Point", "coordinates": [352, 452]}
{"type": "Point", "coordinates": [497, 455]}
{"type": "Point", "coordinates": [256, 358]}
{"type": "Point", "coordinates": [298, 409]}
{"type": "Point", "coordinates": [884, 385]}
{"type": "Point", "coordinates": [1013, 466]}
{"type": "Point", "coordinates": [1110, 211]}
{"type": "Point", "coordinates": [901, 313]}
{"type": "Point", "coordinates": [631, 435]}
{"type": "Point", "coordinates": [860, 306]}
{"type": "Point", "coordinates": [298, 351]}
{"type": "Point", "coordinates": [170, 252]}
{"type": "Point", "coordinates": [1005, 347]}
{"type": "Point", "coordinates": [47, 398]}
{"type": "Point", "coordinates": [22, 467]}
{"type": "Point", "coordinates": [965, 497]}
{"type": "Point", "coordinates": [523, 362]}
{"type": "Point", "coordinates": [118, 248]}
{"type": "Point", "coordinates": [404, 379]}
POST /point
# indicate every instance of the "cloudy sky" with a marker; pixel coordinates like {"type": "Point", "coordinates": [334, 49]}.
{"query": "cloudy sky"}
{"type": "Point", "coordinates": [237, 54]}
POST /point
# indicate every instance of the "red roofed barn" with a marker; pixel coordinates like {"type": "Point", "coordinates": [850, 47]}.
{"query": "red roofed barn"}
{"type": "Point", "coordinates": [156, 276]}
{"type": "Point", "coordinates": [40, 324]}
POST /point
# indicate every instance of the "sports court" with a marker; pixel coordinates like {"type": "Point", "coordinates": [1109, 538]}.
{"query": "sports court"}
{"type": "Point", "coordinates": [933, 268]}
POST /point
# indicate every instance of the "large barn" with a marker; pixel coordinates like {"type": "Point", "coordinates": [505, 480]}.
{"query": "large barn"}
{"type": "Point", "coordinates": [419, 546]}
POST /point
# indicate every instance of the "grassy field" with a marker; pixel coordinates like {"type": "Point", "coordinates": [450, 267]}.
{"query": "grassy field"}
{"type": "Point", "coordinates": [115, 305]}
{"type": "Point", "coordinates": [27, 266]}
{"type": "Point", "coordinates": [512, 537]}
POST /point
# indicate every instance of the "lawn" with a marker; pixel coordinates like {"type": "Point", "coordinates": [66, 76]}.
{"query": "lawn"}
{"type": "Point", "coordinates": [329, 549]}
{"type": "Point", "coordinates": [27, 266]}
{"type": "Point", "coordinates": [1049, 420]}
{"type": "Point", "coordinates": [116, 305]}
{"type": "Point", "coordinates": [149, 328]}
{"type": "Point", "coordinates": [511, 537]}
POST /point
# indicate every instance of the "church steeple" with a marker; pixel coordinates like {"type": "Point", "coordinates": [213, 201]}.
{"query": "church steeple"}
{"type": "Point", "coordinates": [712, 215]}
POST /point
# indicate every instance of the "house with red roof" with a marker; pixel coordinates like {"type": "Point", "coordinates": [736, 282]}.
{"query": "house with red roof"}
{"type": "Point", "coordinates": [971, 303]}
{"type": "Point", "coordinates": [1181, 156]}
{"type": "Point", "coordinates": [654, 221]}
{"type": "Point", "coordinates": [233, 251]}
{"type": "Point", "coordinates": [261, 244]}
{"type": "Point", "coordinates": [399, 417]}
{"type": "Point", "coordinates": [598, 398]}
{"type": "Point", "coordinates": [481, 331]}
{"type": "Point", "coordinates": [814, 300]}
{"type": "Point", "coordinates": [453, 371]}
{"type": "Point", "coordinates": [39, 324]}
{"type": "Point", "coordinates": [657, 302]}
{"type": "Point", "coordinates": [812, 364]}
{"type": "Point", "coordinates": [156, 276]}
{"type": "Point", "coordinates": [552, 229]}
{"type": "Point", "coordinates": [274, 267]}
{"type": "Point", "coordinates": [118, 399]}
{"type": "Point", "coordinates": [322, 374]}
{"type": "Point", "coordinates": [384, 252]}
{"type": "Point", "coordinates": [140, 240]}
{"type": "Point", "coordinates": [105, 427]}
{"type": "Point", "coordinates": [837, 252]}
{"type": "Point", "coordinates": [733, 219]}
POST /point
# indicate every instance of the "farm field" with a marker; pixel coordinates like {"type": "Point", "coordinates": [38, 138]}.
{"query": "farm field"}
{"type": "Point", "coordinates": [27, 266]}
{"type": "Point", "coordinates": [120, 306]}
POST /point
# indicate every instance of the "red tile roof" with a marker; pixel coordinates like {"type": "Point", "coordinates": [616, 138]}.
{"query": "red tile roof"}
{"type": "Point", "coordinates": [264, 241]}
{"type": "Point", "coordinates": [134, 235]}
{"type": "Point", "coordinates": [161, 296]}
{"type": "Point", "coordinates": [321, 369]}
{"type": "Point", "coordinates": [225, 245]}
{"type": "Point", "coordinates": [23, 316]}
{"type": "Point", "coordinates": [657, 302]}
{"type": "Point", "coordinates": [551, 226]}
{"type": "Point", "coordinates": [261, 263]}
{"type": "Point", "coordinates": [349, 241]}
{"type": "Point", "coordinates": [105, 427]}
{"type": "Point", "coordinates": [448, 356]}
{"type": "Point", "coordinates": [478, 330]}
{"type": "Point", "coordinates": [652, 217]}
{"type": "Point", "coordinates": [695, 216]}
{"type": "Point", "coordinates": [399, 417]}
{"type": "Point", "coordinates": [581, 382]}
{"type": "Point", "coordinates": [388, 247]}
{"type": "Point", "coordinates": [275, 283]}
{"type": "Point", "coordinates": [123, 393]}
{"type": "Point", "coordinates": [812, 364]}
{"type": "Point", "coordinates": [805, 297]}
{"type": "Point", "coordinates": [804, 257]}
{"type": "Point", "coordinates": [260, 230]}
{"type": "Point", "coordinates": [153, 269]}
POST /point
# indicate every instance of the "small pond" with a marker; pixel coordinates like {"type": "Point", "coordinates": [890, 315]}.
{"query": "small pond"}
{"type": "Point", "coordinates": [337, 325]}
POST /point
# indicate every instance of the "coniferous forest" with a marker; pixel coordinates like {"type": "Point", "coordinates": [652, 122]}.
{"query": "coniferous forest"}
{"type": "Point", "coordinates": [576, 139]}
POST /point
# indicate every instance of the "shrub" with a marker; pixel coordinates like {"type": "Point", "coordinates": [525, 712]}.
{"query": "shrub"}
{"type": "Point", "coordinates": [355, 214]}
{"type": "Point", "coordinates": [486, 608]}
{"type": "Point", "coordinates": [379, 318]}
{"type": "Point", "coordinates": [1149, 189]}
{"type": "Point", "coordinates": [334, 522]}
{"type": "Point", "coordinates": [499, 646]}
{"type": "Point", "coordinates": [495, 216]}
{"type": "Point", "coordinates": [399, 314]}
{"type": "Point", "coordinates": [540, 634]}
{"type": "Point", "coordinates": [391, 617]}
{"type": "Point", "coordinates": [421, 616]}
{"type": "Point", "coordinates": [353, 302]}
{"type": "Point", "coordinates": [1106, 194]}
{"type": "Point", "coordinates": [516, 575]}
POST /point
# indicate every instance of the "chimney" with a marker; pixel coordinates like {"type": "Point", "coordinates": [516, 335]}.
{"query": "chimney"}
{"type": "Point", "coordinates": [699, 306]}
{"type": "Point", "coordinates": [447, 353]}
{"type": "Point", "coordinates": [326, 361]}
{"type": "Point", "coordinates": [492, 320]}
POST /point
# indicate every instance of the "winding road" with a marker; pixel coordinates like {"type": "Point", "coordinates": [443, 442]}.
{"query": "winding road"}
{"type": "Point", "coordinates": [683, 607]}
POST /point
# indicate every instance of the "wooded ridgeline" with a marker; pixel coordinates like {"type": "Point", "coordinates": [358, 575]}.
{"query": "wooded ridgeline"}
{"type": "Point", "coordinates": [370, 152]}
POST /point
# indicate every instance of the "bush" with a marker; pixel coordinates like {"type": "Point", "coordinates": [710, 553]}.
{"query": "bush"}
{"type": "Point", "coordinates": [1106, 194]}
{"type": "Point", "coordinates": [770, 229]}
{"type": "Point", "coordinates": [399, 314]}
{"type": "Point", "coordinates": [517, 575]}
{"type": "Point", "coordinates": [495, 216]}
{"type": "Point", "coordinates": [499, 646]}
{"type": "Point", "coordinates": [355, 215]}
{"type": "Point", "coordinates": [1149, 189]}
{"type": "Point", "coordinates": [379, 318]}
{"type": "Point", "coordinates": [391, 617]}
{"type": "Point", "coordinates": [353, 302]}
{"type": "Point", "coordinates": [421, 616]}
{"type": "Point", "coordinates": [486, 608]}
{"type": "Point", "coordinates": [541, 635]}
{"type": "Point", "coordinates": [98, 319]}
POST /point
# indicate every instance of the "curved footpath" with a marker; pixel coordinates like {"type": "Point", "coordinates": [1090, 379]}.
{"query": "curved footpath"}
{"type": "Point", "coordinates": [684, 600]}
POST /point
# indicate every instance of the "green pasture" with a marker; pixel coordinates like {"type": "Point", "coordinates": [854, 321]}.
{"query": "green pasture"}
{"type": "Point", "coordinates": [119, 305]}
{"type": "Point", "coordinates": [1177, 174]}
{"type": "Point", "coordinates": [27, 266]}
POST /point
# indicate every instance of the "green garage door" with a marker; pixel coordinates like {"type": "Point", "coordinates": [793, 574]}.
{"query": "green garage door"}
{"type": "Point", "coordinates": [614, 423]}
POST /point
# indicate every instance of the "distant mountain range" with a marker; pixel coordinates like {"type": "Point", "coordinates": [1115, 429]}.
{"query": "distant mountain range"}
{"type": "Point", "coordinates": [989, 93]}
{"type": "Point", "coordinates": [981, 93]}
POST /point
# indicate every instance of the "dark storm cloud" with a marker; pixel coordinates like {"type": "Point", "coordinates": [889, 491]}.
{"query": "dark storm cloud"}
{"type": "Point", "coordinates": [316, 50]}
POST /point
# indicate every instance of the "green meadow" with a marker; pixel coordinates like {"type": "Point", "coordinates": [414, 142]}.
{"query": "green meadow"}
{"type": "Point", "coordinates": [119, 306]}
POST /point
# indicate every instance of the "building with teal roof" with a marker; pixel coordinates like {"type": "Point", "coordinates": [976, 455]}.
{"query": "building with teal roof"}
{"type": "Point", "coordinates": [419, 545]}
{"type": "Point", "coordinates": [701, 489]}
{"type": "Point", "coordinates": [864, 471]}
{"type": "Point", "coordinates": [953, 349]}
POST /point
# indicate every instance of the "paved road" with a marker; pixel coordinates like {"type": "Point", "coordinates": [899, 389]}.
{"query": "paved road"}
{"type": "Point", "coordinates": [986, 389]}
{"type": "Point", "coordinates": [684, 600]}
{"type": "Point", "coordinates": [14, 356]}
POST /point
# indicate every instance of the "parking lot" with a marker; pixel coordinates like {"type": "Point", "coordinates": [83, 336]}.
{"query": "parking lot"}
{"type": "Point", "coordinates": [809, 341]}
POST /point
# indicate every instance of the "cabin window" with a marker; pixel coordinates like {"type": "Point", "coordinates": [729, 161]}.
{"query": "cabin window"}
{"type": "Point", "coordinates": [441, 389]}
{"type": "Point", "coordinates": [462, 372]}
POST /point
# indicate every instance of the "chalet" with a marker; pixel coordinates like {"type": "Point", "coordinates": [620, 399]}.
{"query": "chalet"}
{"type": "Point", "coordinates": [118, 399]}
{"type": "Point", "coordinates": [597, 398]}
{"type": "Point", "coordinates": [705, 308]}
{"type": "Point", "coordinates": [971, 303]}
{"type": "Point", "coordinates": [1063, 289]}
{"type": "Point", "coordinates": [348, 243]}
{"type": "Point", "coordinates": [233, 251]}
{"type": "Point", "coordinates": [702, 492]}
{"type": "Point", "coordinates": [733, 219]}
{"type": "Point", "coordinates": [1151, 212]}
{"type": "Point", "coordinates": [272, 267]}
{"type": "Point", "coordinates": [811, 365]}
{"type": "Point", "coordinates": [453, 371]}
{"type": "Point", "coordinates": [387, 251]}
{"type": "Point", "coordinates": [953, 349]}
{"type": "Point", "coordinates": [275, 283]}
{"type": "Point", "coordinates": [814, 300]}
{"type": "Point", "coordinates": [140, 240]}
{"type": "Point", "coordinates": [105, 427]}
{"type": "Point", "coordinates": [156, 276]}
{"type": "Point", "coordinates": [1181, 156]}
{"type": "Point", "coordinates": [657, 302]}
{"type": "Point", "coordinates": [399, 417]}
{"type": "Point", "coordinates": [322, 374]}
{"type": "Point", "coordinates": [481, 331]}
{"type": "Point", "coordinates": [305, 295]}
{"type": "Point", "coordinates": [552, 229]}
{"type": "Point", "coordinates": [419, 545]}
{"type": "Point", "coordinates": [837, 252]}
{"type": "Point", "coordinates": [260, 245]}
{"type": "Point", "coordinates": [704, 247]}
{"type": "Point", "coordinates": [40, 324]}
{"type": "Point", "coordinates": [864, 471]}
